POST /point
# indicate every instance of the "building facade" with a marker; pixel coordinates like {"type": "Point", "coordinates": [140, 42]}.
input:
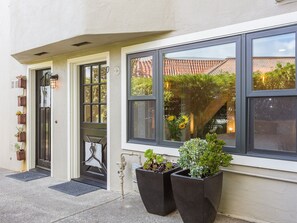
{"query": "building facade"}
{"type": "Point", "coordinates": [125, 67]}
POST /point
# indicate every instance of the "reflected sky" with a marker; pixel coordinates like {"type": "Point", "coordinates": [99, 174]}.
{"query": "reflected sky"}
{"type": "Point", "coordinates": [275, 46]}
{"type": "Point", "coordinates": [212, 52]}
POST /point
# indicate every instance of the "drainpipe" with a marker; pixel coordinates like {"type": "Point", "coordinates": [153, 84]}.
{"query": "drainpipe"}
{"type": "Point", "coordinates": [123, 165]}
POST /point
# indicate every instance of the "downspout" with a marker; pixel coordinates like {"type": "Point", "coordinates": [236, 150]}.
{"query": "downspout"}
{"type": "Point", "coordinates": [123, 165]}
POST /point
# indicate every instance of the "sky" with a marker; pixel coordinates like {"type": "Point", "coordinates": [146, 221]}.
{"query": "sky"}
{"type": "Point", "coordinates": [275, 46]}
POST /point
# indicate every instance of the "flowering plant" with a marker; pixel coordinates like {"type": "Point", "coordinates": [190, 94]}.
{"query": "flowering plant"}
{"type": "Point", "coordinates": [176, 125]}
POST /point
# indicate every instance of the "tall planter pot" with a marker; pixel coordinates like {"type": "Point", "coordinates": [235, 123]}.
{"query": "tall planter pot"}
{"type": "Point", "coordinates": [197, 200]}
{"type": "Point", "coordinates": [156, 191]}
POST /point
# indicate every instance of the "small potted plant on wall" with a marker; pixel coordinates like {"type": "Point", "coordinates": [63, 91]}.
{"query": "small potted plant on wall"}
{"type": "Point", "coordinates": [22, 100]}
{"type": "Point", "coordinates": [21, 134]}
{"type": "Point", "coordinates": [197, 188]}
{"type": "Point", "coordinates": [153, 180]}
{"type": "Point", "coordinates": [21, 117]}
{"type": "Point", "coordinates": [22, 82]}
{"type": "Point", "coordinates": [20, 153]}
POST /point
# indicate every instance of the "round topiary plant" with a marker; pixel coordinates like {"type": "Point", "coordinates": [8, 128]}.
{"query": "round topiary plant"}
{"type": "Point", "coordinates": [203, 157]}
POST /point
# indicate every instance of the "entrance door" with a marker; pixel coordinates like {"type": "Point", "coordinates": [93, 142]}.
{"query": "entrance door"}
{"type": "Point", "coordinates": [93, 147]}
{"type": "Point", "coordinates": [43, 122]}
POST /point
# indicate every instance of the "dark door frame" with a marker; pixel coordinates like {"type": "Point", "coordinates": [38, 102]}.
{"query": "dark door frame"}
{"type": "Point", "coordinates": [42, 163]}
{"type": "Point", "coordinates": [95, 132]}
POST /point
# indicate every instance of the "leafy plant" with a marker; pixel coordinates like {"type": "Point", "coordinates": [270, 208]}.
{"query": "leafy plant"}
{"type": "Point", "coordinates": [203, 157]}
{"type": "Point", "coordinates": [20, 130]}
{"type": "Point", "coordinates": [156, 162]}
{"type": "Point", "coordinates": [17, 146]}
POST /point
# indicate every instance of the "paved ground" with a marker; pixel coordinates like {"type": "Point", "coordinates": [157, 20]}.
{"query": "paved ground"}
{"type": "Point", "coordinates": [34, 202]}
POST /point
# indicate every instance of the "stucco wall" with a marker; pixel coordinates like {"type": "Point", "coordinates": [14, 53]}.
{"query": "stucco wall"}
{"type": "Point", "coordinates": [53, 20]}
{"type": "Point", "coordinates": [245, 196]}
{"type": "Point", "coordinates": [8, 97]}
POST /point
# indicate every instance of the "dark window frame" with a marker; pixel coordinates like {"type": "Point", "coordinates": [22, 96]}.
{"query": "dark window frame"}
{"type": "Point", "coordinates": [131, 99]}
{"type": "Point", "coordinates": [250, 150]}
{"type": "Point", "coordinates": [243, 90]}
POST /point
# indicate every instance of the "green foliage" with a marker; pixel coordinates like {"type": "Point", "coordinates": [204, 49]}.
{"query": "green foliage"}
{"type": "Point", "coordinates": [141, 86]}
{"type": "Point", "coordinates": [17, 146]}
{"type": "Point", "coordinates": [203, 157]}
{"type": "Point", "coordinates": [156, 162]}
{"type": "Point", "coordinates": [282, 77]}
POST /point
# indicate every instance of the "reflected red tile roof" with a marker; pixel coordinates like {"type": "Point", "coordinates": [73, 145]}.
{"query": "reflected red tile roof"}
{"type": "Point", "coordinates": [143, 68]}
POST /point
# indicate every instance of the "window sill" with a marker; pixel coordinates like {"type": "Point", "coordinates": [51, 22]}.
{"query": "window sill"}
{"type": "Point", "coordinates": [157, 149]}
{"type": "Point", "coordinates": [242, 160]}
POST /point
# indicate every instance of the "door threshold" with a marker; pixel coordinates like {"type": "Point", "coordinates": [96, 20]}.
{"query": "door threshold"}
{"type": "Point", "coordinates": [42, 170]}
{"type": "Point", "coordinates": [88, 181]}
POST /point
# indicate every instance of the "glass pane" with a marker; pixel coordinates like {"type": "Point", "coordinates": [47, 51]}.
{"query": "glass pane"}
{"type": "Point", "coordinates": [141, 76]}
{"type": "Point", "coordinates": [103, 114]}
{"type": "Point", "coordinates": [274, 62]}
{"type": "Point", "coordinates": [95, 90]}
{"type": "Point", "coordinates": [87, 75]}
{"type": "Point", "coordinates": [95, 74]}
{"type": "Point", "coordinates": [87, 94]}
{"type": "Point", "coordinates": [143, 119]}
{"type": "Point", "coordinates": [103, 93]}
{"type": "Point", "coordinates": [87, 113]}
{"type": "Point", "coordinates": [199, 93]}
{"type": "Point", "coordinates": [95, 113]}
{"type": "Point", "coordinates": [47, 134]}
{"type": "Point", "coordinates": [103, 72]}
{"type": "Point", "coordinates": [274, 123]}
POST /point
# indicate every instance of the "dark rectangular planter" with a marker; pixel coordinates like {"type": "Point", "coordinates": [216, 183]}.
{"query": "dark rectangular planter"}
{"type": "Point", "coordinates": [197, 200]}
{"type": "Point", "coordinates": [22, 100]}
{"type": "Point", "coordinates": [21, 154]}
{"type": "Point", "coordinates": [22, 137]}
{"type": "Point", "coordinates": [22, 83]}
{"type": "Point", "coordinates": [156, 191]}
{"type": "Point", "coordinates": [22, 119]}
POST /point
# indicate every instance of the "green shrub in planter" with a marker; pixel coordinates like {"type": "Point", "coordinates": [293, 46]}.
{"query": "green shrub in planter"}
{"type": "Point", "coordinates": [203, 157]}
{"type": "Point", "coordinates": [197, 189]}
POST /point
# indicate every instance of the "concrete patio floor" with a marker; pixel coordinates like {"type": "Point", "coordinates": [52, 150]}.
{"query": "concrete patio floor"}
{"type": "Point", "coordinates": [34, 202]}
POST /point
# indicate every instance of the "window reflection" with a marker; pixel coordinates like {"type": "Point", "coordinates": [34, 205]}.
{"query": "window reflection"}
{"type": "Point", "coordinates": [141, 76]}
{"type": "Point", "coordinates": [274, 62]}
{"type": "Point", "coordinates": [199, 93]}
{"type": "Point", "coordinates": [143, 119]}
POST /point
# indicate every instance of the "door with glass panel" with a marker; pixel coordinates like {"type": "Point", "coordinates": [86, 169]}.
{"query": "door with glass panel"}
{"type": "Point", "coordinates": [43, 119]}
{"type": "Point", "coordinates": [93, 110]}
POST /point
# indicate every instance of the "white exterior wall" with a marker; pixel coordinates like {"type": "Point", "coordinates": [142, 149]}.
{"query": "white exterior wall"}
{"type": "Point", "coordinates": [10, 68]}
{"type": "Point", "coordinates": [259, 193]}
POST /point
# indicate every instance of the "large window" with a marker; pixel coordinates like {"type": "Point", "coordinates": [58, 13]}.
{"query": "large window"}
{"type": "Point", "coordinates": [243, 88]}
{"type": "Point", "coordinates": [272, 93]}
{"type": "Point", "coordinates": [199, 92]}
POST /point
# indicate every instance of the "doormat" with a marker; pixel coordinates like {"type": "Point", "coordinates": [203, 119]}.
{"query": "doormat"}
{"type": "Point", "coordinates": [74, 188]}
{"type": "Point", "coordinates": [28, 176]}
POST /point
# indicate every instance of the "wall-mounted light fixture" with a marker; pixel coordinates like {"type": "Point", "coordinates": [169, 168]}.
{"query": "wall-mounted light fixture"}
{"type": "Point", "coordinates": [53, 81]}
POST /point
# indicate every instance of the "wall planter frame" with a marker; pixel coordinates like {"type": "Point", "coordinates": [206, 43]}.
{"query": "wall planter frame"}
{"type": "Point", "coordinates": [22, 101]}
{"type": "Point", "coordinates": [21, 154]}
{"type": "Point", "coordinates": [22, 119]}
{"type": "Point", "coordinates": [21, 137]}
{"type": "Point", "coordinates": [22, 82]}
